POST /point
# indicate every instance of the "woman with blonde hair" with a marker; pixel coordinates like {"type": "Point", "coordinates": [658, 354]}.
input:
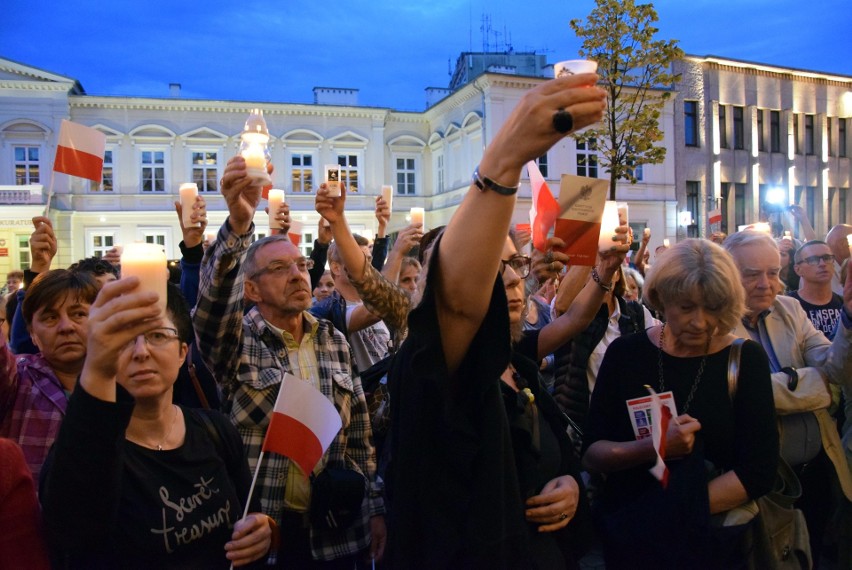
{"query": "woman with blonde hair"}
{"type": "Point", "coordinates": [696, 286]}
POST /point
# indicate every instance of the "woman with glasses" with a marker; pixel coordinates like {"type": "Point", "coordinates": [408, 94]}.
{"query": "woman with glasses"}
{"type": "Point", "coordinates": [135, 481]}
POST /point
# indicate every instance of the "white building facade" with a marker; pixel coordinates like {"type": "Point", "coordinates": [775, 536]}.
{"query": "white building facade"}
{"type": "Point", "coordinates": [155, 144]}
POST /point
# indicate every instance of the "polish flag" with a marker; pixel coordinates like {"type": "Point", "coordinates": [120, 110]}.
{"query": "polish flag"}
{"type": "Point", "coordinates": [661, 415]}
{"type": "Point", "coordinates": [80, 151]}
{"type": "Point", "coordinates": [544, 209]}
{"type": "Point", "coordinates": [304, 423]}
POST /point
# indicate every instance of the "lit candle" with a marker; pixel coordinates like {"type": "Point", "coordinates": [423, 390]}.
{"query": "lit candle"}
{"type": "Point", "coordinates": [332, 179]}
{"type": "Point", "coordinates": [417, 215]}
{"type": "Point", "coordinates": [666, 242]}
{"type": "Point", "coordinates": [255, 159]}
{"type": "Point", "coordinates": [147, 261]}
{"type": "Point", "coordinates": [646, 232]}
{"type": "Point", "coordinates": [188, 193]}
{"type": "Point", "coordinates": [849, 242]}
{"type": "Point", "coordinates": [622, 213]}
{"type": "Point", "coordinates": [788, 235]}
{"type": "Point", "coordinates": [387, 195]}
{"type": "Point", "coordinates": [609, 222]}
{"type": "Point", "coordinates": [276, 198]}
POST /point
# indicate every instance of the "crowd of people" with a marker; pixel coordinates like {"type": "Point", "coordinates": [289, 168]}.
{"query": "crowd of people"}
{"type": "Point", "coordinates": [490, 394]}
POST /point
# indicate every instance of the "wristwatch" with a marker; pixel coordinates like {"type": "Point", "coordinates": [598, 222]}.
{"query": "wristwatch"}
{"type": "Point", "coordinates": [792, 377]}
{"type": "Point", "coordinates": [485, 183]}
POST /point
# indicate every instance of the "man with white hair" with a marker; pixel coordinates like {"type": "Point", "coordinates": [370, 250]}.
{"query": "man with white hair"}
{"type": "Point", "coordinates": [802, 361]}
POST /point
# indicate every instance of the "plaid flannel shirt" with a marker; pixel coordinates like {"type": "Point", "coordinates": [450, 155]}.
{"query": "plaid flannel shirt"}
{"type": "Point", "coordinates": [32, 405]}
{"type": "Point", "coordinates": [249, 360]}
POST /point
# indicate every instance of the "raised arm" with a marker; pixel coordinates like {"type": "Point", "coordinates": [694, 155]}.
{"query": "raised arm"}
{"type": "Point", "coordinates": [406, 240]}
{"type": "Point", "coordinates": [191, 248]}
{"type": "Point", "coordinates": [484, 215]}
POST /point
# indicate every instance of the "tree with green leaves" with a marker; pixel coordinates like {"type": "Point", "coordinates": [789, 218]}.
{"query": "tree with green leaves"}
{"type": "Point", "coordinates": [635, 69]}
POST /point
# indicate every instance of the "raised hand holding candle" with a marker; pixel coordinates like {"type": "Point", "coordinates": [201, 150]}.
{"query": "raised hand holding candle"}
{"type": "Point", "coordinates": [387, 196]}
{"type": "Point", "coordinates": [188, 193]}
{"type": "Point", "coordinates": [276, 198]}
{"type": "Point", "coordinates": [574, 67]}
{"type": "Point", "coordinates": [609, 223]}
{"type": "Point", "coordinates": [254, 149]}
{"type": "Point", "coordinates": [332, 179]}
{"type": "Point", "coordinates": [417, 215]}
{"type": "Point", "coordinates": [622, 213]}
{"type": "Point", "coordinates": [147, 261]}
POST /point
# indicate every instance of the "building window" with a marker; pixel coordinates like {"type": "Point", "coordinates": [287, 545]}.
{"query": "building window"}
{"type": "Point", "coordinates": [841, 205]}
{"type": "Point", "coordinates": [833, 196]}
{"type": "Point", "coordinates": [153, 171]}
{"type": "Point", "coordinates": [692, 190]}
{"type": "Point", "coordinates": [406, 176]}
{"type": "Point", "coordinates": [725, 189]}
{"type": "Point", "coordinates": [809, 134]}
{"type": "Point", "coordinates": [828, 136]}
{"type": "Point", "coordinates": [587, 159]}
{"type": "Point", "coordinates": [760, 144]}
{"type": "Point", "coordinates": [739, 205]}
{"type": "Point", "coordinates": [100, 243]}
{"type": "Point", "coordinates": [26, 165]}
{"type": "Point", "coordinates": [841, 138]}
{"type": "Point", "coordinates": [690, 126]}
{"type": "Point", "coordinates": [637, 172]}
{"type": "Point", "coordinates": [349, 171]}
{"type": "Point", "coordinates": [107, 177]}
{"type": "Point", "coordinates": [739, 130]}
{"type": "Point", "coordinates": [302, 172]}
{"type": "Point", "coordinates": [158, 238]}
{"type": "Point", "coordinates": [810, 203]}
{"type": "Point", "coordinates": [723, 127]}
{"type": "Point", "coordinates": [796, 148]}
{"type": "Point", "coordinates": [439, 172]}
{"type": "Point", "coordinates": [542, 164]}
{"type": "Point", "coordinates": [774, 131]}
{"type": "Point", "coordinates": [205, 170]}
{"type": "Point", "coordinates": [23, 252]}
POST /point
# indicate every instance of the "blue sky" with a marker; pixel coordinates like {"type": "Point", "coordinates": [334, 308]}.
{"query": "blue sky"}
{"type": "Point", "coordinates": [389, 50]}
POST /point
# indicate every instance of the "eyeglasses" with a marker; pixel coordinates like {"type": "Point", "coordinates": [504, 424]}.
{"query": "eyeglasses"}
{"type": "Point", "coordinates": [520, 264]}
{"type": "Point", "coordinates": [157, 337]}
{"type": "Point", "coordinates": [815, 259]}
{"type": "Point", "coordinates": [281, 267]}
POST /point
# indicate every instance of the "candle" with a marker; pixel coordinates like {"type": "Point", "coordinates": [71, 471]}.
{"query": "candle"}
{"type": "Point", "coordinates": [622, 213]}
{"type": "Point", "coordinates": [666, 242]}
{"type": "Point", "coordinates": [147, 261]}
{"type": "Point", "coordinates": [646, 232]}
{"type": "Point", "coordinates": [387, 195]}
{"type": "Point", "coordinates": [788, 235]}
{"type": "Point", "coordinates": [417, 216]}
{"type": "Point", "coordinates": [849, 242]}
{"type": "Point", "coordinates": [332, 179]}
{"type": "Point", "coordinates": [609, 222]}
{"type": "Point", "coordinates": [255, 159]}
{"type": "Point", "coordinates": [188, 193]}
{"type": "Point", "coordinates": [276, 198]}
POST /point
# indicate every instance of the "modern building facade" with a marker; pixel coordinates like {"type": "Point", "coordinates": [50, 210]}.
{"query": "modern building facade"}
{"type": "Point", "coordinates": [745, 129]}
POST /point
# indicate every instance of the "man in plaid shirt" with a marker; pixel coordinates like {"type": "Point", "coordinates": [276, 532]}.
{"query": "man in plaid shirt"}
{"type": "Point", "coordinates": [249, 355]}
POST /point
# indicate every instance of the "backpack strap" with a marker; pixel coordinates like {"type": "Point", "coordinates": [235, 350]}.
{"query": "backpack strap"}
{"type": "Point", "coordinates": [734, 366]}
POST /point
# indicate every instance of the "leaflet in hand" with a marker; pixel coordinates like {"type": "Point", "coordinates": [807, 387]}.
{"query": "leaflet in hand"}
{"type": "Point", "coordinates": [581, 203]}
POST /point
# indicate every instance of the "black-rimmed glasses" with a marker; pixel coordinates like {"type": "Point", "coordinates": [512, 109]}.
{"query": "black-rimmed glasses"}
{"type": "Point", "coordinates": [814, 260]}
{"type": "Point", "coordinates": [520, 264]}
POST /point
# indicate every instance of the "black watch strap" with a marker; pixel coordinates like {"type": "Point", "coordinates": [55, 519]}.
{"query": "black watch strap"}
{"type": "Point", "coordinates": [792, 377]}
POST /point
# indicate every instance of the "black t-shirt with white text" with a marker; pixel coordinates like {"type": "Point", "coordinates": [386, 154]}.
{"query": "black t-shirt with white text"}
{"type": "Point", "coordinates": [823, 317]}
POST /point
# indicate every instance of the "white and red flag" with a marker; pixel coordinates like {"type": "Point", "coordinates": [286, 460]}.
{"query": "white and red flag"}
{"type": "Point", "coordinates": [303, 424]}
{"type": "Point", "coordinates": [661, 415]}
{"type": "Point", "coordinates": [544, 209]}
{"type": "Point", "coordinates": [80, 151]}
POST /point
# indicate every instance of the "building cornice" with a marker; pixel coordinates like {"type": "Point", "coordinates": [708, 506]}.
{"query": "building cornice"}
{"type": "Point", "coordinates": [23, 85]}
{"type": "Point", "coordinates": [774, 71]}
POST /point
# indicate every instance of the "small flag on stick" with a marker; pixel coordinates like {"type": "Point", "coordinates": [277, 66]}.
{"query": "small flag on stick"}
{"type": "Point", "coordinates": [303, 424]}
{"type": "Point", "coordinates": [80, 151]}
{"type": "Point", "coordinates": [544, 209]}
{"type": "Point", "coordinates": [661, 415]}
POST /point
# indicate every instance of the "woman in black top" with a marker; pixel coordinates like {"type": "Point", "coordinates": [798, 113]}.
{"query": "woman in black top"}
{"type": "Point", "coordinates": [135, 481]}
{"type": "Point", "coordinates": [697, 287]}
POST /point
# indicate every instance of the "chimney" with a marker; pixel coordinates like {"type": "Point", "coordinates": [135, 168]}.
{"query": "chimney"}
{"type": "Point", "coordinates": [174, 90]}
{"type": "Point", "coordinates": [335, 96]}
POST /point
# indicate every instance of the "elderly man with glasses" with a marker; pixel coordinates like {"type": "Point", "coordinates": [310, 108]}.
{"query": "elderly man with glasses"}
{"type": "Point", "coordinates": [251, 353]}
{"type": "Point", "coordinates": [803, 361]}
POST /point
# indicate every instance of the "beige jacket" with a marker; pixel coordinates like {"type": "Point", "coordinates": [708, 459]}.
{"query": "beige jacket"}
{"type": "Point", "coordinates": [818, 361]}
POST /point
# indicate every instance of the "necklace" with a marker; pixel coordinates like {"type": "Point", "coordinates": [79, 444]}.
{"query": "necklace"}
{"type": "Point", "coordinates": [159, 446]}
{"type": "Point", "coordinates": [695, 382]}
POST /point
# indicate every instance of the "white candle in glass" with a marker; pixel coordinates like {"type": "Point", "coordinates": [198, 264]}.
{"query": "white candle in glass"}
{"type": "Point", "coordinates": [254, 157]}
{"type": "Point", "coordinates": [849, 242]}
{"type": "Point", "coordinates": [147, 261]}
{"type": "Point", "coordinates": [188, 192]}
{"type": "Point", "coordinates": [387, 195]}
{"type": "Point", "coordinates": [276, 198]}
{"type": "Point", "coordinates": [622, 212]}
{"type": "Point", "coordinates": [609, 223]}
{"type": "Point", "coordinates": [666, 242]}
{"type": "Point", "coordinates": [417, 216]}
